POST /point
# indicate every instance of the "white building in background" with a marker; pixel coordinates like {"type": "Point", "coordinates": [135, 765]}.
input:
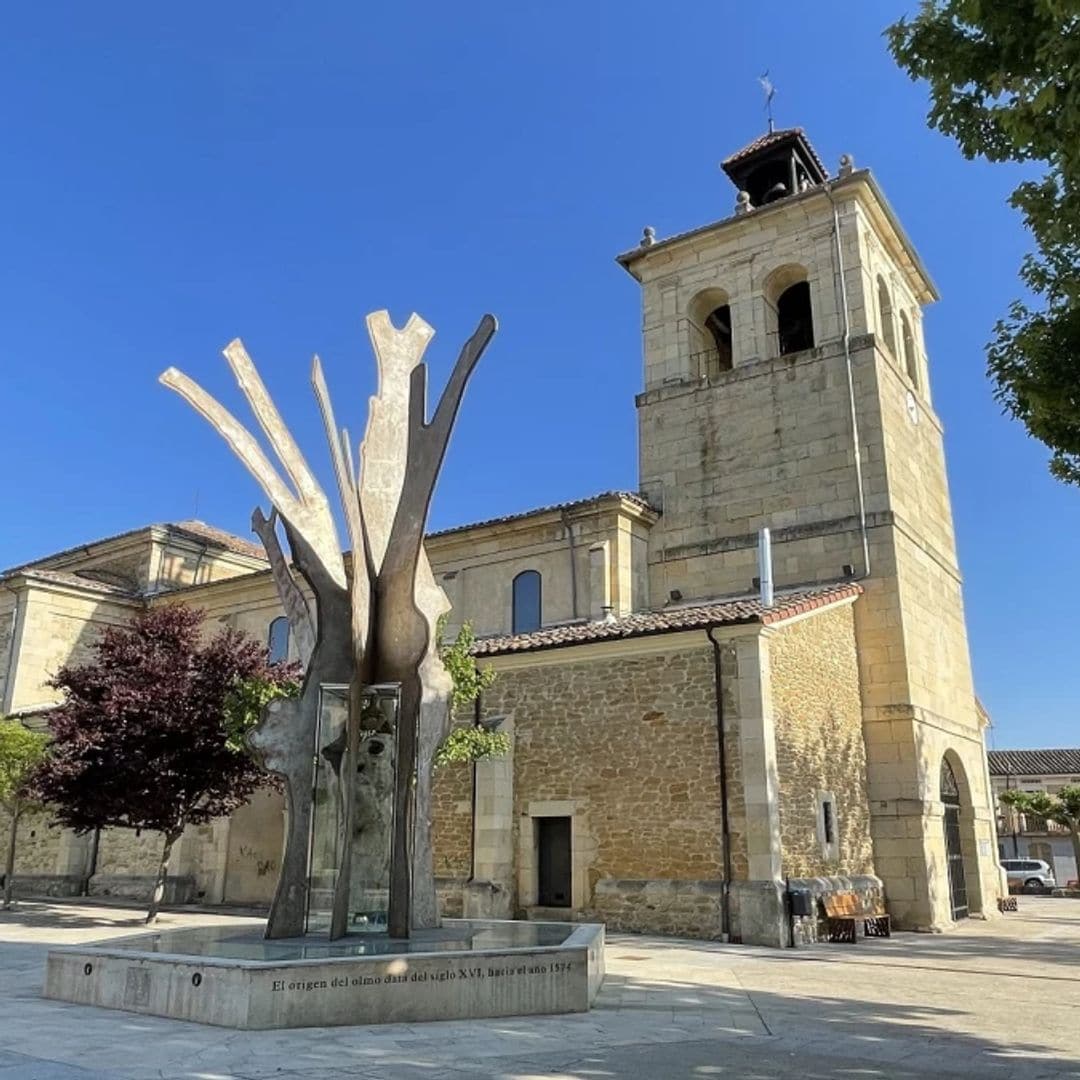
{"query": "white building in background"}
{"type": "Point", "coordinates": [1028, 836]}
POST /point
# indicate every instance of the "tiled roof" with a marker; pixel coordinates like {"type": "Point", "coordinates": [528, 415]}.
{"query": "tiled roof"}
{"type": "Point", "coordinates": [230, 541]}
{"type": "Point", "coordinates": [64, 577]}
{"type": "Point", "coordinates": [575, 504]}
{"type": "Point", "coordinates": [773, 138]}
{"type": "Point", "coordinates": [195, 530]}
{"type": "Point", "coordinates": [690, 617]}
{"type": "Point", "coordinates": [1034, 762]}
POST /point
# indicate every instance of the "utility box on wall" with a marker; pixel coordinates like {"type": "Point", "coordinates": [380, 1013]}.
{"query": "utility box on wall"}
{"type": "Point", "coordinates": [802, 902]}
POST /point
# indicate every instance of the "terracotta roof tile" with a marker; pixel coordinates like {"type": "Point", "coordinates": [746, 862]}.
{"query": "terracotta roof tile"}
{"type": "Point", "coordinates": [691, 617]}
{"type": "Point", "coordinates": [230, 541]}
{"type": "Point", "coordinates": [64, 577]}
{"type": "Point", "coordinates": [637, 500]}
{"type": "Point", "coordinates": [197, 530]}
{"type": "Point", "coordinates": [1034, 762]}
{"type": "Point", "coordinates": [773, 138]}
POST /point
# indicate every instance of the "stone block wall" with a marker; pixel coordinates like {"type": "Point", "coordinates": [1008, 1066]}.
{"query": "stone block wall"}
{"type": "Point", "coordinates": [128, 852]}
{"type": "Point", "coordinates": [819, 744]}
{"type": "Point", "coordinates": [37, 850]}
{"type": "Point", "coordinates": [451, 894]}
{"type": "Point", "coordinates": [254, 845]}
{"type": "Point", "coordinates": [476, 565]}
{"type": "Point", "coordinates": [765, 444]}
{"type": "Point", "coordinates": [179, 888]}
{"type": "Point", "coordinates": [452, 819]}
{"type": "Point", "coordinates": [675, 907]}
{"type": "Point", "coordinates": [9, 612]}
{"type": "Point", "coordinates": [248, 604]}
{"type": "Point", "coordinates": [58, 626]}
{"type": "Point", "coordinates": [623, 742]}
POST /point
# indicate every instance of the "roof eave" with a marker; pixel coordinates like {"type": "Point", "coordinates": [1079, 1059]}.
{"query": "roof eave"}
{"type": "Point", "coordinates": [929, 293]}
{"type": "Point", "coordinates": [834, 596]}
{"type": "Point", "coordinates": [625, 502]}
{"type": "Point", "coordinates": [32, 578]}
{"type": "Point", "coordinates": [549, 646]}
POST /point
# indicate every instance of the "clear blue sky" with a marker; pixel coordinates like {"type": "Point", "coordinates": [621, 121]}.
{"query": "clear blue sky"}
{"type": "Point", "coordinates": [177, 175]}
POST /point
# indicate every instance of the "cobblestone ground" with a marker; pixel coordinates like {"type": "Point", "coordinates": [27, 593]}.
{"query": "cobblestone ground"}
{"type": "Point", "coordinates": [997, 999]}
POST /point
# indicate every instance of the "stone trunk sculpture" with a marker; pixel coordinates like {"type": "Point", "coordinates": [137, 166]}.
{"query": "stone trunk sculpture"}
{"type": "Point", "coordinates": [373, 622]}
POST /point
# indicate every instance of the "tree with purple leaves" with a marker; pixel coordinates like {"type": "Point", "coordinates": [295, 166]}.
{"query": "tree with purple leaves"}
{"type": "Point", "coordinates": [146, 737]}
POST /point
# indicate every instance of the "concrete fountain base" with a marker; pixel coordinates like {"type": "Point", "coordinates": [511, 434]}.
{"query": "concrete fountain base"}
{"type": "Point", "coordinates": [233, 978]}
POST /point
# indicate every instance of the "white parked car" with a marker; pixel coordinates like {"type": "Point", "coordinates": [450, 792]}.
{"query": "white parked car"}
{"type": "Point", "coordinates": [1031, 874]}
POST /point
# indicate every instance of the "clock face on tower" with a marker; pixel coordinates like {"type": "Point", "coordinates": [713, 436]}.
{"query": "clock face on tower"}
{"type": "Point", "coordinates": [912, 408]}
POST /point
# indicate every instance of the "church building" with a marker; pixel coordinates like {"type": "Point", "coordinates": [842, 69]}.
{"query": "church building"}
{"type": "Point", "coordinates": [694, 729]}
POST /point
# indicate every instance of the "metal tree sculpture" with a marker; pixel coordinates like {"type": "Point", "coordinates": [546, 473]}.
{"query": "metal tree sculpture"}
{"type": "Point", "coordinates": [373, 625]}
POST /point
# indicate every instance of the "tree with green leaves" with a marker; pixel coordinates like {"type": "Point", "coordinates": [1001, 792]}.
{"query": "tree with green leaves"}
{"type": "Point", "coordinates": [471, 742]}
{"type": "Point", "coordinates": [1004, 80]}
{"type": "Point", "coordinates": [21, 752]}
{"type": "Point", "coordinates": [1062, 808]}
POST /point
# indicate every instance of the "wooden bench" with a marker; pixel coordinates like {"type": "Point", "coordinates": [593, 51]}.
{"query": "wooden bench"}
{"type": "Point", "coordinates": [844, 910]}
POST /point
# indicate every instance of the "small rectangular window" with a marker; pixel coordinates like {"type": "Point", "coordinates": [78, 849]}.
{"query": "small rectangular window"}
{"type": "Point", "coordinates": [828, 827]}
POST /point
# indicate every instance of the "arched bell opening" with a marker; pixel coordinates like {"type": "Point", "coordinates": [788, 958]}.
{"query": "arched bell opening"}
{"type": "Point", "coordinates": [910, 363]}
{"type": "Point", "coordinates": [712, 339]}
{"type": "Point", "coordinates": [789, 311]}
{"type": "Point", "coordinates": [886, 319]}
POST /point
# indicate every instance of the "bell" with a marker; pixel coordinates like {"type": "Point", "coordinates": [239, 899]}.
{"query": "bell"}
{"type": "Point", "coordinates": [777, 191]}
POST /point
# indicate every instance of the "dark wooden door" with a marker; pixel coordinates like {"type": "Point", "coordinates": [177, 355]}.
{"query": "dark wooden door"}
{"type": "Point", "coordinates": [553, 839]}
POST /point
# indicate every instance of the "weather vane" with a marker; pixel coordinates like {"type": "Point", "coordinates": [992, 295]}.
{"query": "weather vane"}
{"type": "Point", "coordinates": [770, 91]}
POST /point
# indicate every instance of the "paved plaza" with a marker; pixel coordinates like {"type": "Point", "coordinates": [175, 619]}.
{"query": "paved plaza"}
{"type": "Point", "coordinates": [992, 999]}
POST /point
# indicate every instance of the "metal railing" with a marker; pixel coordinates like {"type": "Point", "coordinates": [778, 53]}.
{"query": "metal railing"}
{"type": "Point", "coordinates": [1025, 824]}
{"type": "Point", "coordinates": [706, 363]}
{"type": "Point", "coordinates": [1033, 823]}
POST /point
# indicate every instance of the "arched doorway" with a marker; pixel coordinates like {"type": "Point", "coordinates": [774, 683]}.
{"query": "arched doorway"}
{"type": "Point", "coordinates": [954, 853]}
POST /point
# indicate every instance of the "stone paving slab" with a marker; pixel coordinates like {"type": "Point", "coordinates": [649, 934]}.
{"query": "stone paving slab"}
{"type": "Point", "coordinates": [21, 1067]}
{"type": "Point", "coordinates": [995, 999]}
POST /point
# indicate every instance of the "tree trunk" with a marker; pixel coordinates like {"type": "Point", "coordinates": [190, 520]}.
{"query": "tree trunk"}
{"type": "Point", "coordinates": [9, 866]}
{"type": "Point", "coordinates": [159, 883]}
{"type": "Point", "coordinates": [1074, 831]}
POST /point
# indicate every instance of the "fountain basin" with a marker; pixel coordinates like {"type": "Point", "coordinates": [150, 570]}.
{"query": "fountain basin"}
{"type": "Point", "coordinates": [232, 977]}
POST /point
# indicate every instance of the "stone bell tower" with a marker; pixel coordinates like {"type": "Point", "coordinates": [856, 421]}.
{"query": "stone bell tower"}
{"type": "Point", "coordinates": [787, 385]}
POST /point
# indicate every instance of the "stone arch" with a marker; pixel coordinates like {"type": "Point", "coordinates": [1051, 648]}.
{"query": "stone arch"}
{"type": "Point", "coordinates": [954, 791]}
{"type": "Point", "coordinates": [277, 639]}
{"type": "Point", "coordinates": [908, 339]}
{"type": "Point", "coordinates": [711, 339]}
{"type": "Point", "coordinates": [526, 602]}
{"type": "Point", "coordinates": [789, 318]}
{"type": "Point", "coordinates": [886, 318]}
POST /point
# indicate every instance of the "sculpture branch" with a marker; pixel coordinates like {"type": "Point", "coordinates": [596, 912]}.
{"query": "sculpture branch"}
{"type": "Point", "coordinates": [262, 405]}
{"type": "Point", "coordinates": [384, 450]}
{"type": "Point", "coordinates": [292, 597]}
{"type": "Point", "coordinates": [347, 491]}
{"type": "Point", "coordinates": [450, 400]}
{"type": "Point", "coordinates": [360, 585]}
{"type": "Point", "coordinates": [240, 440]}
{"type": "Point", "coordinates": [428, 441]}
{"type": "Point", "coordinates": [309, 515]}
